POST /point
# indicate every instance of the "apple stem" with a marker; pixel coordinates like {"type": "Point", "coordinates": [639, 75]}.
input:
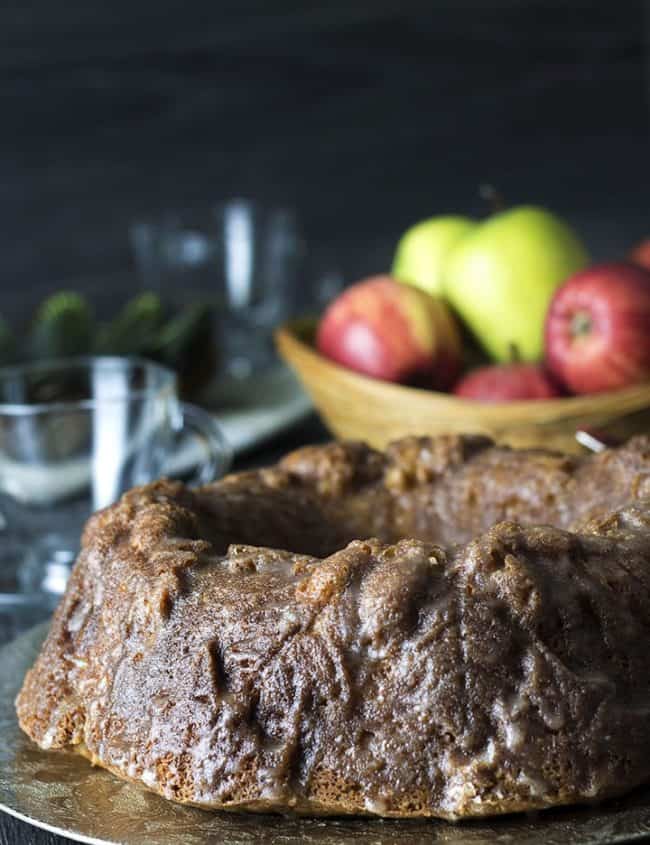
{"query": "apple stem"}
{"type": "Point", "coordinates": [492, 197]}
{"type": "Point", "coordinates": [580, 324]}
{"type": "Point", "coordinates": [513, 351]}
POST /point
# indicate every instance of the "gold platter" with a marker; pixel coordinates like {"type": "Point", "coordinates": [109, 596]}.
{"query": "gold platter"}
{"type": "Point", "coordinates": [63, 793]}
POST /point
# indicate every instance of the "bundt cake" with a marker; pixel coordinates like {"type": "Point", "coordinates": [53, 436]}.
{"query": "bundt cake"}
{"type": "Point", "coordinates": [446, 629]}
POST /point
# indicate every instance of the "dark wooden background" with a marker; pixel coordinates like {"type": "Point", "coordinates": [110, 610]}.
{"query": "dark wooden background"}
{"type": "Point", "coordinates": [364, 116]}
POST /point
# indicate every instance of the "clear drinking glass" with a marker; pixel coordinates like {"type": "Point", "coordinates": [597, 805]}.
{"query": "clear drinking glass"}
{"type": "Point", "coordinates": [249, 258]}
{"type": "Point", "coordinates": [74, 435]}
{"type": "Point", "coordinates": [20, 608]}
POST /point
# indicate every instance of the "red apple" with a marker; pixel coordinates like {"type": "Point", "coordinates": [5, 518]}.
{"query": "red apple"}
{"type": "Point", "coordinates": [392, 331]}
{"type": "Point", "coordinates": [640, 255]}
{"type": "Point", "coordinates": [504, 382]}
{"type": "Point", "coordinates": [597, 334]}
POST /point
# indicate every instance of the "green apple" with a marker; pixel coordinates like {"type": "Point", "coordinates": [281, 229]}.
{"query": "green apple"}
{"type": "Point", "coordinates": [422, 250]}
{"type": "Point", "coordinates": [500, 278]}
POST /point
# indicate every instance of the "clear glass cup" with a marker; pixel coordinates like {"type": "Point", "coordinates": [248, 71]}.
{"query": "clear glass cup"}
{"type": "Point", "coordinates": [21, 606]}
{"type": "Point", "coordinates": [74, 435]}
{"type": "Point", "coordinates": [250, 259]}
{"type": "Point", "coordinates": [261, 255]}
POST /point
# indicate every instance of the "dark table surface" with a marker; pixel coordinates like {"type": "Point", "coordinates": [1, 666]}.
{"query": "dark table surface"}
{"type": "Point", "coordinates": [15, 832]}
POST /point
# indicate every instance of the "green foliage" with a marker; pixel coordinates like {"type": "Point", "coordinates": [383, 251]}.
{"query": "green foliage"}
{"type": "Point", "coordinates": [178, 338]}
{"type": "Point", "coordinates": [136, 328]}
{"type": "Point", "coordinates": [8, 344]}
{"type": "Point", "coordinates": [63, 326]}
{"type": "Point", "coordinates": [186, 343]}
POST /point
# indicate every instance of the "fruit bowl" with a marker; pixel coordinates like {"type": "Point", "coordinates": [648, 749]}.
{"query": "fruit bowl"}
{"type": "Point", "coordinates": [360, 408]}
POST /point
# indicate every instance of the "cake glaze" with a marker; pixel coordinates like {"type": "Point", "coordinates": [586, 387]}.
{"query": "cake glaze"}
{"type": "Point", "coordinates": [447, 629]}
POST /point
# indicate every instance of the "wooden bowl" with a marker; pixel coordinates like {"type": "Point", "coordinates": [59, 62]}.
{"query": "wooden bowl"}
{"type": "Point", "coordinates": [359, 408]}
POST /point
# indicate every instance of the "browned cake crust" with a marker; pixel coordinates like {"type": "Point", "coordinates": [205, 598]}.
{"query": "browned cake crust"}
{"type": "Point", "coordinates": [420, 673]}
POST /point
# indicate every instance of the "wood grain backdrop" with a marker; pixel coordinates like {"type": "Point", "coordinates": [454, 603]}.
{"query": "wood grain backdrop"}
{"type": "Point", "coordinates": [363, 115]}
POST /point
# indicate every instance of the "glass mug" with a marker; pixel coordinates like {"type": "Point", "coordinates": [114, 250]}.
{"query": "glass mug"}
{"type": "Point", "coordinates": [74, 435]}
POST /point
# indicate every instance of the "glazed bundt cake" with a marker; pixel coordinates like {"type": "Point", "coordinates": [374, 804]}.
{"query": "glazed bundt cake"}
{"type": "Point", "coordinates": [448, 629]}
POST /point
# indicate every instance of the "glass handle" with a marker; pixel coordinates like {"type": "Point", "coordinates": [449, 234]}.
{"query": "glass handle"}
{"type": "Point", "coordinates": [218, 451]}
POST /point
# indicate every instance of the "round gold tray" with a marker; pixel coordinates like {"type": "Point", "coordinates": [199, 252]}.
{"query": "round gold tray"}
{"type": "Point", "coordinates": [64, 794]}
